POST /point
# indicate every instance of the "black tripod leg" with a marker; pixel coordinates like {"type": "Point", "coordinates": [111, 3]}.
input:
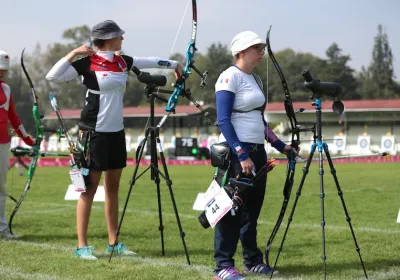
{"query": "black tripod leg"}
{"type": "Point", "coordinates": [156, 177]}
{"type": "Point", "coordinates": [169, 183]}
{"type": "Point", "coordinates": [22, 163]}
{"type": "Point", "coordinates": [322, 196]}
{"type": "Point", "coordinates": [18, 160]}
{"type": "Point", "coordinates": [298, 193]}
{"type": "Point", "coordinates": [132, 183]}
{"type": "Point", "coordinates": [340, 193]}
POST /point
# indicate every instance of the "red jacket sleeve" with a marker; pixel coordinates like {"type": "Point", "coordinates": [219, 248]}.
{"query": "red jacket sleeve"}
{"type": "Point", "coordinates": [17, 124]}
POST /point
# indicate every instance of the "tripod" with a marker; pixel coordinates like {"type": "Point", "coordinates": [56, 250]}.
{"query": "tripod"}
{"type": "Point", "coordinates": [322, 147]}
{"type": "Point", "coordinates": [152, 132]}
{"type": "Point", "coordinates": [18, 160]}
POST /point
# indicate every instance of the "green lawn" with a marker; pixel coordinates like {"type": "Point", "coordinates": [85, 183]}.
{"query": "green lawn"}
{"type": "Point", "coordinates": [46, 223]}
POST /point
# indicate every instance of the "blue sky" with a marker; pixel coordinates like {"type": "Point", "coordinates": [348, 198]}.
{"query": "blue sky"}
{"type": "Point", "coordinates": [151, 25]}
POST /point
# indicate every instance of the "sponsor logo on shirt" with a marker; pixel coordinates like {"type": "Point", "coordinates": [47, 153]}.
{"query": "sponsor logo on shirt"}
{"type": "Point", "coordinates": [164, 63]}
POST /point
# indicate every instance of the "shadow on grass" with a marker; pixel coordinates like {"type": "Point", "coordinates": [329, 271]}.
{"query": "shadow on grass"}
{"type": "Point", "coordinates": [333, 268]}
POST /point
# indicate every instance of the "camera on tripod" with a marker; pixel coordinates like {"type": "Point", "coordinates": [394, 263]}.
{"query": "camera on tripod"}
{"type": "Point", "coordinates": [237, 191]}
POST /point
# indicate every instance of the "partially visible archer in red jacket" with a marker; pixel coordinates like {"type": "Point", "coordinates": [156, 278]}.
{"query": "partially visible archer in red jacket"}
{"type": "Point", "coordinates": [7, 115]}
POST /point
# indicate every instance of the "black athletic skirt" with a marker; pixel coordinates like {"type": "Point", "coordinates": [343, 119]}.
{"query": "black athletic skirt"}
{"type": "Point", "coordinates": [107, 150]}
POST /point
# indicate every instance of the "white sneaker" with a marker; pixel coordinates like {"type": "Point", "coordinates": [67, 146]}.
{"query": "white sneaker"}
{"type": "Point", "coordinates": [8, 235]}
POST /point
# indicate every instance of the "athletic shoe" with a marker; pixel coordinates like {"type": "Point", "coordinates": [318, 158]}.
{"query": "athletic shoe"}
{"type": "Point", "coordinates": [261, 268]}
{"type": "Point", "coordinates": [228, 273]}
{"type": "Point", "coordinates": [120, 249]}
{"type": "Point", "coordinates": [85, 252]}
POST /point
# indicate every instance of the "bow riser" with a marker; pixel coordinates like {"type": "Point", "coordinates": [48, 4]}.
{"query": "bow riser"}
{"type": "Point", "coordinates": [189, 65]}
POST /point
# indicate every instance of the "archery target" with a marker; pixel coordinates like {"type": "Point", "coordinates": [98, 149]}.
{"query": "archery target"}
{"type": "Point", "coordinates": [212, 139]}
{"type": "Point", "coordinates": [364, 143]}
{"type": "Point", "coordinates": [340, 142]}
{"type": "Point", "coordinates": [387, 143]}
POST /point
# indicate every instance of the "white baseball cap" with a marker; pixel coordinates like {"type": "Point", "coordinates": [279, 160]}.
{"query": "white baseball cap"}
{"type": "Point", "coordinates": [4, 61]}
{"type": "Point", "coordinates": [244, 40]}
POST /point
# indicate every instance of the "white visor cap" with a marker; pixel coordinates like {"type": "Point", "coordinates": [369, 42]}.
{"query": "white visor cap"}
{"type": "Point", "coordinates": [244, 40]}
{"type": "Point", "coordinates": [4, 61]}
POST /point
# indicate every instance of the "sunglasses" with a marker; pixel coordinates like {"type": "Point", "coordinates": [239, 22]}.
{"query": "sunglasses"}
{"type": "Point", "coordinates": [259, 48]}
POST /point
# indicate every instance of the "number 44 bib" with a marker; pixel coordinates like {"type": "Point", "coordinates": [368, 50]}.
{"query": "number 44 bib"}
{"type": "Point", "coordinates": [219, 204]}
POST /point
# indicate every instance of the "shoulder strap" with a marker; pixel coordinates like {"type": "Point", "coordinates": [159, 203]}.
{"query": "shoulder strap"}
{"type": "Point", "coordinates": [258, 81]}
{"type": "Point", "coordinates": [260, 85]}
{"type": "Point", "coordinates": [121, 62]}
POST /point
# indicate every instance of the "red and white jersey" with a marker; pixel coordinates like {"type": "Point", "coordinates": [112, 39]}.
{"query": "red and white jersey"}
{"type": "Point", "coordinates": [105, 75]}
{"type": "Point", "coordinates": [9, 115]}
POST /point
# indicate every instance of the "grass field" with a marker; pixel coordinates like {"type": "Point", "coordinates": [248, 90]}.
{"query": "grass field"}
{"type": "Point", "coordinates": [46, 223]}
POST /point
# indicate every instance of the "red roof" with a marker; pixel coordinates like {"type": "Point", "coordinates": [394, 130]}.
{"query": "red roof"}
{"type": "Point", "coordinates": [185, 110]}
{"type": "Point", "coordinates": [349, 105]}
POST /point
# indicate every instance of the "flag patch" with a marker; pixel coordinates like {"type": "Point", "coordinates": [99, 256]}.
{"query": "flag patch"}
{"type": "Point", "coordinates": [238, 149]}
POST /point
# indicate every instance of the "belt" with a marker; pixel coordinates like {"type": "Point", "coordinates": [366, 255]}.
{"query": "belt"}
{"type": "Point", "coordinates": [258, 147]}
{"type": "Point", "coordinates": [253, 147]}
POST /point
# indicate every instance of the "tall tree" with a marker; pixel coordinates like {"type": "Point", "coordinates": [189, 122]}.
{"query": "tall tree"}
{"type": "Point", "coordinates": [381, 68]}
{"type": "Point", "coordinates": [338, 71]}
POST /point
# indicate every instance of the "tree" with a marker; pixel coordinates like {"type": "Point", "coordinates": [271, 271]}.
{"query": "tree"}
{"type": "Point", "coordinates": [217, 59]}
{"type": "Point", "coordinates": [379, 79]}
{"type": "Point", "coordinates": [338, 71]}
{"type": "Point", "coordinates": [291, 64]}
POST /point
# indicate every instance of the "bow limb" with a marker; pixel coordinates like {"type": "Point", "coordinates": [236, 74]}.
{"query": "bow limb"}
{"type": "Point", "coordinates": [295, 142]}
{"type": "Point", "coordinates": [189, 65]}
{"type": "Point", "coordinates": [295, 128]}
{"type": "Point", "coordinates": [34, 151]}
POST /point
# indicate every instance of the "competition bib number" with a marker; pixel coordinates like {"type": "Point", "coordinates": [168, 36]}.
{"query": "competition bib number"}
{"type": "Point", "coordinates": [218, 206]}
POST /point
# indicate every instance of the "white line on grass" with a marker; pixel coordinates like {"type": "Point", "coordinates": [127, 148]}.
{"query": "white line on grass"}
{"type": "Point", "coordinates": [204, 270]}
{"type": "Point", "coordinates": [143, 260]}
{"type": "Point", "coordinates": [392, 273]}
{"type": "Point", "coordinates": [15, 273]}
{"type": "Point", "coordinates": [190, 217]}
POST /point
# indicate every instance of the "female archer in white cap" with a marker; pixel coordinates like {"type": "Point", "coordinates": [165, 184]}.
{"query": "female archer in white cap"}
{"type": "Point", "coordinates": [240, 113]}
{"type": "Point", "coordinates": [105, 75]}
{"type": "Point", "coordinates": [7, 115]}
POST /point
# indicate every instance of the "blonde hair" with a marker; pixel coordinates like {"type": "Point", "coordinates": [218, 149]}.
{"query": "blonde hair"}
{"type": "Point", "coordinates": [235, 58]}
